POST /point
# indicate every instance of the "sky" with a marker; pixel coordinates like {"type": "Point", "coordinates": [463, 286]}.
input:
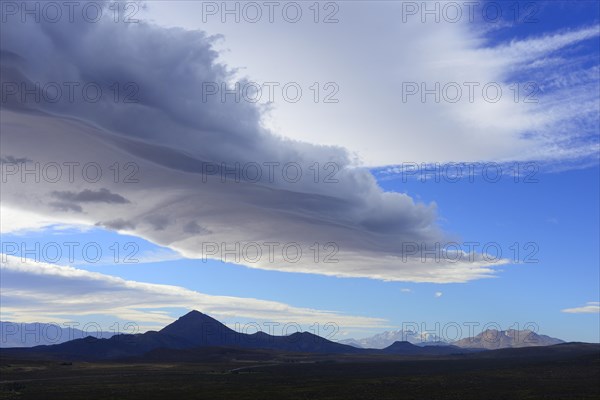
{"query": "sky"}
{"type": "Point", "coordinates": [381, 165]}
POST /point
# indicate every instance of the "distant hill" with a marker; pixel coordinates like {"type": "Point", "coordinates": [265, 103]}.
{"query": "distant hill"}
{"type": "Point", "coordinates": [15, 334]}
{"type": "Point", "coordinates": [407, 348]}
{"type": "Point", "coordinates": [403, 347]}
{"type": "Point", "coordinates": [492, 339]}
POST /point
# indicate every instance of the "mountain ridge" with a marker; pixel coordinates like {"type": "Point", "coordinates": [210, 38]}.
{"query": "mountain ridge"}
{"type": "Point", "coordinates": [196, 330]}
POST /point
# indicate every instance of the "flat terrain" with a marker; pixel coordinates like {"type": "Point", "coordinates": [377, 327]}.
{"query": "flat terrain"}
{"type": "Point", "coordinates": [231, 374]}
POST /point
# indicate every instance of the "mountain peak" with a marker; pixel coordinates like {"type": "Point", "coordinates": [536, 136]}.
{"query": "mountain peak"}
{"type": "Point", "coordinates": [193, 314]}
{"type": "Point", "coordinates": [198, 328]}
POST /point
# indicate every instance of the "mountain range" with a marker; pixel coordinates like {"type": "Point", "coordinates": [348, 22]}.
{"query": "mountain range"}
{"type": "Point", "coordinates": [488, 340]}
{"type": "Point", "coordinates": [192, 330]}
{"type": "Point", "coordinates": [196, 330]}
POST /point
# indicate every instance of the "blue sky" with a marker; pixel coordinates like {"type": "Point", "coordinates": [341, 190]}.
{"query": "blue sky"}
{"type": "Point", "coordinates": [170, 134]}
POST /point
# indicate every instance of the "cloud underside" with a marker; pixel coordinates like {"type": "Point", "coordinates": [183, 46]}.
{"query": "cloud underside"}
{"type": "Point", "coordinates": [592, 307]}
{"type": "Point", "coordinates": [33, 292]}
{"type": "Point", "coordinates": [168, 138]}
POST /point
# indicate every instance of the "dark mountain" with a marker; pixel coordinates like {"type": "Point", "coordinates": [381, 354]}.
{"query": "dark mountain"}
{"type": "Point", "coordinates": [192, 330]}
{"type": "Point", "coordinates": [199, 330]}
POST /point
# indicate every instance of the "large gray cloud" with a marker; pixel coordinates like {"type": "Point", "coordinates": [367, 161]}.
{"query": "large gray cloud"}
{"type": "Point", "coordinates": [174, 153]}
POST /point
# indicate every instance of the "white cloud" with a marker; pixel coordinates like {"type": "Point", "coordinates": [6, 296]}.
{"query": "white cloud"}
{"type": "Point", "coordinates": [370, 66]}
{"type": "Point", "coordinates": [592, 307]}
{"type": "Point", "coordinates": [34, 292]}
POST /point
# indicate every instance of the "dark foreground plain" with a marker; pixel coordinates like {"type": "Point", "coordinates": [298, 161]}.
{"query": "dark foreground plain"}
{"type": "Point", "coordinates": [568, 371]}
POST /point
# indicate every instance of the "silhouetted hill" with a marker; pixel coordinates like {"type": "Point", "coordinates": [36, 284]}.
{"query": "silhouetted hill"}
{"type": "Point", "coordinates": [402, 347]}
{"type": "Point", "coordinates": [200, 330]}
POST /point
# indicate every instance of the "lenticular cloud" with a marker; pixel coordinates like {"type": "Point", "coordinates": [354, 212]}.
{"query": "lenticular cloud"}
{"type": "Point", "coordinates": [112, 130]}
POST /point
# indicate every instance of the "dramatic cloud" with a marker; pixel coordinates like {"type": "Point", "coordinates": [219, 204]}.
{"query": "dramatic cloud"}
{"type": "Point", "coordinates": [592, 307]}
{"type": "Point", "coordinates": [34, 291]}
{"type": "Point", "coordinates": [200, 176]}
